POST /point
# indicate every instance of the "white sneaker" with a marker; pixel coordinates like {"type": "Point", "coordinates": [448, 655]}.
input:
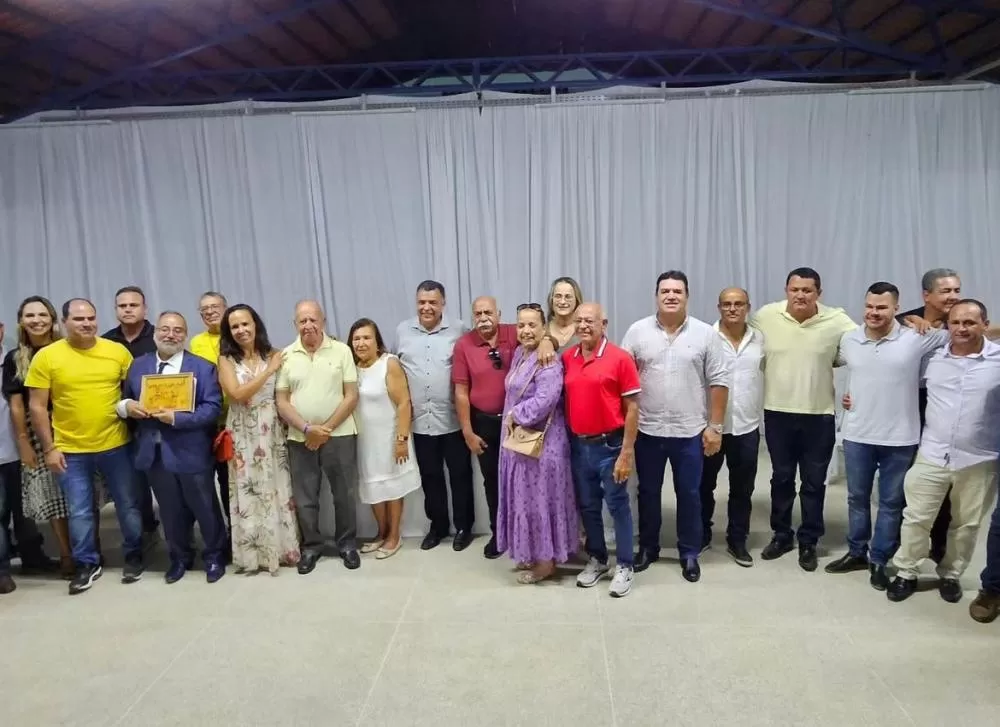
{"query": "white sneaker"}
{"type": "Point", "coordinates": [592, 573]}
{"type": "Point", "coordinates": [621, 584]}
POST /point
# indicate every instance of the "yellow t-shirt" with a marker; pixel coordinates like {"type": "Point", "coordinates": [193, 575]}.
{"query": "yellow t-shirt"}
{"type": "Point", "coordinates": [206, 345]}
{"type": "Point", "coordinates": [799, 357]}
{"type": "Point", "coordinates": [317, 383]}
{"type": "Point", "coordinates": [84, 389]}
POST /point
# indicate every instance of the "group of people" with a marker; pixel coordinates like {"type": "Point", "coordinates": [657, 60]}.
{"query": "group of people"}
{"type": "Point", "coordinates": [558, 416]}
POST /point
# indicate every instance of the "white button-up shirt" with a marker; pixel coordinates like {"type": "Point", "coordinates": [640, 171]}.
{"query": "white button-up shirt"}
{"type": "Point", "coordinates": [426, 358]}
{"type": "Point", "coordinates": [883, 381]}
{"type": "Point", "coordinates": [963, 408]}
{"type": "Point", "coordinates": [745, 407]}
{"type": "Point", "coordinates": [675, 372]}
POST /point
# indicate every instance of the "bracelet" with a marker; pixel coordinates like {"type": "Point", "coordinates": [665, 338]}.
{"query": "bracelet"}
{"type": "Point", "coordinates": [306, 430]}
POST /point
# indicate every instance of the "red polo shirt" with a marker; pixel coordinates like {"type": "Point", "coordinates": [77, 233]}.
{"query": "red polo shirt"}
{"type": "Point", "coordinates": [471, 365]}
{"type": "Point", "coordinates": [595, 388]}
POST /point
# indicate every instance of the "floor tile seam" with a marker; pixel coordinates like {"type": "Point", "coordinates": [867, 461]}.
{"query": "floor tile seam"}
{"type": "Point", "coordinates": [607, 663]}
{"type": "Point", "coordinates": [885, 685]}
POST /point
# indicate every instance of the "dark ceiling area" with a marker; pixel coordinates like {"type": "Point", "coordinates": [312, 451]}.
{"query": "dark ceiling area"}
{"type": "Point", "coordinates": [100, 54]}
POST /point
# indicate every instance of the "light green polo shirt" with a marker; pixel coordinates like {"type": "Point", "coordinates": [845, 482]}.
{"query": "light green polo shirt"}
{"type": "Point", "coordinates": [799, 357]}
{"type": "Point", "coordinates": [316, 383]}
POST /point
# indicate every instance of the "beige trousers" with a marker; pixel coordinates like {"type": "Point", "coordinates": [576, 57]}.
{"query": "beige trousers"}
{"type": "Point", "coordinates": [973, 491]}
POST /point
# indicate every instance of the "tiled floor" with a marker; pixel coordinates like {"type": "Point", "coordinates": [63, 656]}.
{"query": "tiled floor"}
{"type": "Point", "coordinates": [445, 638]}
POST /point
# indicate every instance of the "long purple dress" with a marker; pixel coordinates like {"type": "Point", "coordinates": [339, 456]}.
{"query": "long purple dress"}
{"type": "Point", "coordinates": [537, 516]}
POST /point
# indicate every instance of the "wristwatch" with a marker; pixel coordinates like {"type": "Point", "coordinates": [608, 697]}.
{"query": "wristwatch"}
{"type": "Point", "coordinates": [717, 428]}
{"type": "Point", "coordinates": [402, 438]}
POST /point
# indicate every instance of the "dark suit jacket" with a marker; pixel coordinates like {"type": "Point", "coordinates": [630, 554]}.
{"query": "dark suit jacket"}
{"type": "Point", "coordinates": [185, 447]}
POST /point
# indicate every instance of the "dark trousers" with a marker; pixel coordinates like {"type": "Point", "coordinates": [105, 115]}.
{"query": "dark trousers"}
{"type": "Point", "coordinates": [939, 531]}
{"type": "Point", "coordinates": [337, 458]}
{"type": "Point", "coordinates": [593, 463]}
{"type": "Point", "coordinates": [26, 535]}
{"type": "Point", "coordinates": [433, 453]}
{"type": "Point", "coordinates": [802, 442]}
{"type": "Point", "coordinates": [488, 427]}
{"type": "Point", "coordinates": [222, 474]}
{"type": "Point", "coordinates": [740, 454]}
{"type": "Point", "coordinates": [991, 573]}
{"type": "Point", "coordinates": [185, 499]}
{"type": "Point", "coordinates": [685, 455]}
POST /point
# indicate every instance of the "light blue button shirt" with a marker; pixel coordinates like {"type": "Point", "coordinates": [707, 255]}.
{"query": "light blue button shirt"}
{"type": "Point", "coordinates": [426, 358]}
{"type": "Point", "coordinates": [963, 408]}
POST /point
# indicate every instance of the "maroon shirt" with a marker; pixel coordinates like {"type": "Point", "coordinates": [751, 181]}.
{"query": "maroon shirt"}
{"type": "Point", "coordinates": [472, 365]}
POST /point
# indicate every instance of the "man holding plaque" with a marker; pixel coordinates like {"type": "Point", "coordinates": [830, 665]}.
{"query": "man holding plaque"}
{"type": "Point", "coordinates": [316, 392]}
{"type": "Point", "coordinates": [174, 398]}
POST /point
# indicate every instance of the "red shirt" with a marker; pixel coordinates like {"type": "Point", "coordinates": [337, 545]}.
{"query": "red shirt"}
{"type": "Point", "coordinates": [471, 365]}
{"type": "Point", "coordinates": [595, 388]}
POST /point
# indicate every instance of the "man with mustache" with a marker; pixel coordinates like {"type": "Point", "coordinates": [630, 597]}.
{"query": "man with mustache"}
{"type": "Point", "coordinates": [801, 340]}
{"type": "Point", "coordinates": [174, 449]}
{"type": "Point", "coordinates": [881, 428]}
{"type": "Point", "coordinates": [81, 376]}
{"type": "Point", "coordinates": [481, 361]}
{"type": "Point", "coordinates": [958, 453]}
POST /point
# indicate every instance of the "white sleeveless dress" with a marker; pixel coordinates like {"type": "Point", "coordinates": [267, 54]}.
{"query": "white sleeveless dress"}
{"type": "Point", "coordinates": [381, 479]}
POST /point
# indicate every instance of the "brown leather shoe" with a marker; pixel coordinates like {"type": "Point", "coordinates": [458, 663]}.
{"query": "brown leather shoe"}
{"type": "Point", "coordinates": [985, 608]}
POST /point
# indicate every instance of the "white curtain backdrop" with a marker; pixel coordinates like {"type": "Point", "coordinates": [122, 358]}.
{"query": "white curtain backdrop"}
{"type": "Point", "coordinates": [356, 209]}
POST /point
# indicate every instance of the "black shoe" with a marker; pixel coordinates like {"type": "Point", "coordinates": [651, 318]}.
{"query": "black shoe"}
{"type": "Point", "coordinates": [7, 584]}
{"type": "Point", "coordinates": [950, 590]}
{"type": "Point", "coordinates": [900, 589]}
{"type": "Point", "coordinates": [878, 578]}
{"type": "Point", "coordinates": [86, 574]}
{"type": "Point", "coordinates": [352, 561]}
{"type": "Point", "coordinates": [175, 572]}
{"type": "Point", "coordinates": [307, 562]}
{"type": "Point", "coordinates": [132, 572]}
{"type": "Point", "coordinates": [463, 539]}
{"type": "Point", "coordinates": [431, 541]}
{"type": "Point", "coordinates": [847, 564]}
{"type": "Point", "coordinates": [776, 548]}
{"type": "Point", "coordinates": [740, 554]}
{"type": "Point", "coordinates": [691, 570]}
{"type": "Point", "coordinates": [490, 551]}
{"type": "Point", "coordinates": [214, 572]}
{"type": "Point", "coordinates": [643, 559]}
{"type": "Point", "coordinates": [39, 566]}
{"type": "Point", "coordinates": [807, 558]}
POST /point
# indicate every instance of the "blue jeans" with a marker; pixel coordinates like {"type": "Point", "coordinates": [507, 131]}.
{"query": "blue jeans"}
{"type": "Point", "coordinates": [991, 573]}
{"type": "Point", "coordinates": [4, 537]}
{"type": "Point", "coordinates": [593, 464]}
{"type": "Point", "coordinates": [686, 457]}
{"type": "Point", "coordinates": [77, 484]}
{"type": "Point", "coordinates": [861, 462]}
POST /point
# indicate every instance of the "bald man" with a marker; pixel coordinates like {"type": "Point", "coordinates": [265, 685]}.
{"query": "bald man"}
{"type": "Point", "coordinates": [480, 364]}
{"type": "Point", "coordinates": [316, 393]}
{"type": "Point", "coordinates": [743, 349]}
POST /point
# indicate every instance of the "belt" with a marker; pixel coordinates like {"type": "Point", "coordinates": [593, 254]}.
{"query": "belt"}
{"type": "Point", "coordinates": [484, 415]}
{"type": "Point", "coordinates": [614, 434]}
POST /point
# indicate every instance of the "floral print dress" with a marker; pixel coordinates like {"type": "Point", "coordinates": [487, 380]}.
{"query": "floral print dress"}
{"type": "Point", "coordinates": [261, 508]}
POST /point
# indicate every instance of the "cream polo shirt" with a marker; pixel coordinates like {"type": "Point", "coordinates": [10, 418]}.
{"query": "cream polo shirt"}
{"type": "Point", "coordinates": [799, 357]}
{"type": "Point", "coordinates": [316, 383]}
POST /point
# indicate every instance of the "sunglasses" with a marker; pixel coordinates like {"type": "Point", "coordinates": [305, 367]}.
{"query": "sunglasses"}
{"type": "Point", "coordinates": [529, 306]}
{"type": "Point", "coordinates": [496, 358]}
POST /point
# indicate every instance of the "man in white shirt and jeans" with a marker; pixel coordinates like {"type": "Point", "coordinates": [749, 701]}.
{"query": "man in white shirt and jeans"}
{"type": "Point", "coordinates": [681, 367]}
{"type": "Point", "coordinates": [881, 428]}
{"type": "Point", "coordinates": [958, 449]}
{"type": "Point", "coordinates": [743, 350]}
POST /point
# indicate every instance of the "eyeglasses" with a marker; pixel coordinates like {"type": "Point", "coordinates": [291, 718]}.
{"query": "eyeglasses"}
{"type": "Point", "coordinates": [496, 358]}
{"type": "Point", "coordinates": [529, 306]}
{"type": "Point", "coordinates": [733, 305]}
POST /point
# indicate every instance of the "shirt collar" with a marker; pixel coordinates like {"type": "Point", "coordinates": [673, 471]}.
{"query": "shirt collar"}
{"type": "Point", "coordinates": [748, 334]}
{"type": "Point", "coordinates": [442, 325]}
{"type": "Point", "coordinates": [860, 334]}
{"type": "Point", "coordinates": [989, 350]}
{"type": "Point", "coordinates": [600, 349]}
{"type": "Point", "coordinates": [297, 347]}
{"type": "Point", "coordinates": [174, 361]}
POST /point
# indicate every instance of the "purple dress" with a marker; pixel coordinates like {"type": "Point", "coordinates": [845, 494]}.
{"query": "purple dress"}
{"type": "Point", "coordinates": [537, 517]}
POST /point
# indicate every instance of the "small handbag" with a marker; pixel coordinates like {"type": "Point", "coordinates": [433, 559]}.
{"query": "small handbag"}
{"type": "Point", "coordinates": [525, 440]}
{"type": "Point", "coordinates": [223, 446]}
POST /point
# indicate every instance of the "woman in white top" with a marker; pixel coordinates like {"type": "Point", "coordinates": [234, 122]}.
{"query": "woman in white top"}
{"type": "Point", "coordinates": [387, 467]}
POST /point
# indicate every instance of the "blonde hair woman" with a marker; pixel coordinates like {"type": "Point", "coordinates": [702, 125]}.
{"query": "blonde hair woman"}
{"type": "Point", "coordinates": [564, 298]}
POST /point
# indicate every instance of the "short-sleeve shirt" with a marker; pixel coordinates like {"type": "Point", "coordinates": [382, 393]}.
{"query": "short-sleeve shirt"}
{"type": "Point", "coordinates": [426, 357]}
{"type": "Point", "coordinates": [206, 345]}
{"type": "Point", "coordinates": [84, 390]}
{"type": "Point", "coordinates": [884, 376]}
{"type": "Point", "coordinates": [922, 393]}
{"type": "Point", "coordinates": [140, 345]}
{"type": "Point", "coordinates": [799, 357]}
{"type": "Point", "coordinates": [473, 366]}
{"type": "Point", "coordinates": [316, 383]}
{"type": "Point", "coordinates": [595, 388]}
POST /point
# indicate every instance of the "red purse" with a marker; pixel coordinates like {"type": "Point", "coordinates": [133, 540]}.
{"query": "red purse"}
{"type": "Point", "coordinates": [223, 446]}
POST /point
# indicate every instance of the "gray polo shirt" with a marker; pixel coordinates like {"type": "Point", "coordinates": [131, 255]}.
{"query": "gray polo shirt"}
{"type": "Point", "coordinates": [883, 378]}
{"type": "Point", "coordinates": [426, 359]}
